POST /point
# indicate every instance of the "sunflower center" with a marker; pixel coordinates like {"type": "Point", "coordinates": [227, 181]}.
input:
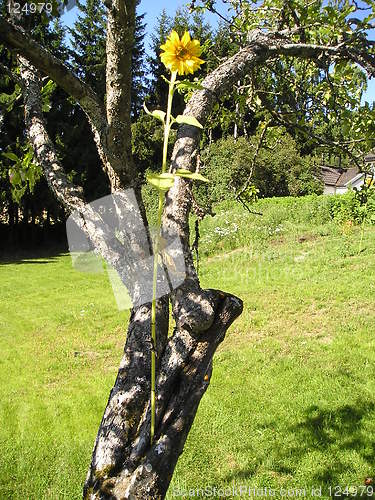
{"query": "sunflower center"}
{"type": "Point", "coordinates": [181, 52]}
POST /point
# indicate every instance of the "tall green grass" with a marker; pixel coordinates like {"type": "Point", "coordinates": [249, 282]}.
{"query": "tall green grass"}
{"type": "Point", "coordinates": [291, 401]}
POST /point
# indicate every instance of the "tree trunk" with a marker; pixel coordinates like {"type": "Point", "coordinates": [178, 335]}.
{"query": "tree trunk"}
{"type": "Point", "coordinates": [125, 465]}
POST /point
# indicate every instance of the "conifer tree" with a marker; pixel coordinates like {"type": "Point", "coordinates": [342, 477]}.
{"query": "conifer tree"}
{"type": "Point", "coordinates": [139, 78]}
{"type": "Point", "coordinates": [88, 40]}
{"type": "Point", "coordinates": [89, 54]}
{"type": "Point", "coordinates": [157, 69]}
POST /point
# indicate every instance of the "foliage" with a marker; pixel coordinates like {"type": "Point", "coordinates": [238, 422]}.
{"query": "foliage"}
{"type": "Point", "coordinates": [277, 169]}
{"type": "Point", "coordinates": [278, 218]}
{"type": "Point", "coordinates": [147, 137]}
{"type": "Point", "coordinates": [357, 206]}
{"type": "Point", "coordinates": [317, 100]}
{"type": "Point", "coordinates": [23, 172]}
{"type": "Point", "coordinates": [225, 162]}
{"type": "Point", "coordinates": [277, 166]}
{"type": "Point", "coordinates": [305, 177]}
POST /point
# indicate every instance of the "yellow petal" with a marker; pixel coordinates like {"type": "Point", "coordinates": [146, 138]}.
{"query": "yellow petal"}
{"type": "Point", "coordinates": [181, 55]}
{"type": "Point", "coordinates": [194, 48]}
{"type": "Point", "coordinates": [186, 38]}
{"type": "Point", "coordinates": [181, 67]}
{"type": "Point", "coordinates": [174, 38]}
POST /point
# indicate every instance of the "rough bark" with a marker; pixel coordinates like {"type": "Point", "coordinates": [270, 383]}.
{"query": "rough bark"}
{"type": "Point", "coordinates": [127, 466]}
{"type": "Point", "coordinates": [120, 41]}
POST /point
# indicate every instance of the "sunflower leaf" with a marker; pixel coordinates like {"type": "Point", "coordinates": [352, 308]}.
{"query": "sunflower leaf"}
{"type": "Point", "coordinates": [181, 172]}
{"type": "Point", "coordinates": [188, 120]}
{"type": "Point", "coordinates": [157, 113]}
{"type": "Point", "coordinates": [186, 85]}
{"type": "Point", "coordinates": [162, 182]}
{"type": "Point", "coordinates": [11, 156]}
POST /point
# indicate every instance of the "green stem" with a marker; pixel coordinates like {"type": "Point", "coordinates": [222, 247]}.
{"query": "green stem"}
{"type": "Point", "coordinates": [153, 317]}
{"type": "Point", "coordinates": [167, 128]}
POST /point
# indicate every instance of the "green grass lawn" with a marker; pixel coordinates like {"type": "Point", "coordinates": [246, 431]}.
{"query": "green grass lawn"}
{"type": "Point", "coordinates": [291, 403]}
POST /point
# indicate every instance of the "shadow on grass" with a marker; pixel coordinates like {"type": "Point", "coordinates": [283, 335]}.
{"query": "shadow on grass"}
{"type": "Point", "coordinates": [330, 431]}
{"type": "Point", "coordinates": [37, 256]}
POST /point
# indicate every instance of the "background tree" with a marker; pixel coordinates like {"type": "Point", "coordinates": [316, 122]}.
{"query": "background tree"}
{"type": "Point", "coordinates": [27, 201]}
{"type": "Point", "coordinates": [139, 73]}
{"type": "Point", "coordinates": [88, 52]}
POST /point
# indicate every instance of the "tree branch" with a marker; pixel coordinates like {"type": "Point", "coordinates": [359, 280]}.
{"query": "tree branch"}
{"type": "Point", "coordinates": [261, 47]}
{"type": "Point", "coordinates": [120, 41]}
{"type": "Point", "coordinates": [69, 195]}
{"type": "Point", "coordinates": [118, 255]}
{"type": "Point", "coordinates": [308, 132]}
{"type": "Point", "coordinates": [15, 37]}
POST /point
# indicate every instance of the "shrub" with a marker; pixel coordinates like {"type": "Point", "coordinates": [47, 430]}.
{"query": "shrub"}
{"type": "Point", "coordinates": [304, 177]}
{"type": "Point", "coordinates": [225, 165]}
{"type": "Point", "coordinates": [355, 205]}
{"type": "Point", "coordinates": [277, 171]}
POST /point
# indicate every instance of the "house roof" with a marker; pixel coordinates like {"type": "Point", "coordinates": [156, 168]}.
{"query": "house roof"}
{"type": "Point", "coordinates": [370, 157]}
{"type": "Point", "coordinates": [330, 176]}
{"type": "Point", "coordinates": [347, 176]}
{"type": "Point", "coordinates": [338, 177]}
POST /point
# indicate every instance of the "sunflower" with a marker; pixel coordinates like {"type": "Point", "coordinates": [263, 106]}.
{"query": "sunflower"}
{"type": "Point", "coordinates": [181, 55]}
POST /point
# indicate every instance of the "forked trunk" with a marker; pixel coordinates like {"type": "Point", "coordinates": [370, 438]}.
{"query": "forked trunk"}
{"type": "Point", "coordinates": [124, 464]}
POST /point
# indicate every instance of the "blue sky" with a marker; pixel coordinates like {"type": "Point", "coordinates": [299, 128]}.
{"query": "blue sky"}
{"type": "Point", "coordinates": [369, 95]}
{"type": "Point", "coordinates": [152, 9]}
